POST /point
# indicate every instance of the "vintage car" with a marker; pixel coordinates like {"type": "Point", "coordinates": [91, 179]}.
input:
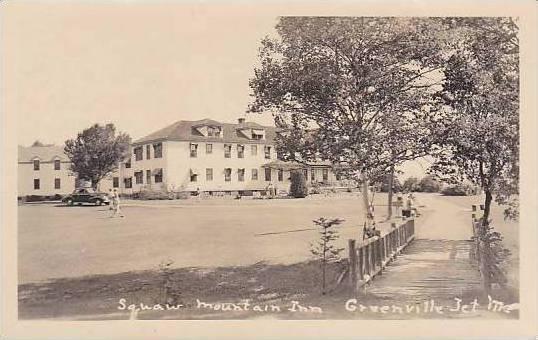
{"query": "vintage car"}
{"type": "Point", "coordinates": [86, 195]}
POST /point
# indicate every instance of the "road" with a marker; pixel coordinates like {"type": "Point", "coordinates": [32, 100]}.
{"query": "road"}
{"type": "Point", "coordinates": [436, 265]}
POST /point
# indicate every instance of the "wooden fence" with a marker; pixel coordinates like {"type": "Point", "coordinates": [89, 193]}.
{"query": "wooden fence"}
{"type": "Point", "coordinates": [490, 272]}
{"type": "Point", "coordinates": [369, 258]}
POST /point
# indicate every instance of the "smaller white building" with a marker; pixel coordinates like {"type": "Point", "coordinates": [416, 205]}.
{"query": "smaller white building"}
{"type": "Point", "coordinates": [44, 171]}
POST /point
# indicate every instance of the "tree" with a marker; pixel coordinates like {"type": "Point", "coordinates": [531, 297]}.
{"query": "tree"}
{"type": "Point", "coordinates": [479, 133]}
{"type": "Point", "coordinates": [354, 91]}
{"type": "Point", "coordinates": [96, 152]}
{"type": "Point", "coordinates": [37, 143]}
{"type": "Point", "coordinates": [325, 250]}
{"type": "Point", "coordinates": [298, 187]}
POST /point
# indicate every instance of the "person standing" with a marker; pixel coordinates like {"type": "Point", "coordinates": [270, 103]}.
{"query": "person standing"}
{"type": "Point", "coordinates": [116, 205]}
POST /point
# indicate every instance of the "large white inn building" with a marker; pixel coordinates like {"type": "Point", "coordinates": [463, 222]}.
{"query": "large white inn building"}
{"type": "Point", "coordinates": [210, 156]}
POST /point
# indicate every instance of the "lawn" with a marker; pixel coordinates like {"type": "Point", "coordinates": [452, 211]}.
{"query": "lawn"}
{"type": "Point", "coordinates": [59, 241]}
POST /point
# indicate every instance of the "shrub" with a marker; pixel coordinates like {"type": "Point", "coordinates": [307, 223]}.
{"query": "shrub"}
{"type": "Point", "coordinates": [154, 195]}
{"type": "Point", "coordinates": [428, 184]}
{"type": "Point", "coordinates": [396, 185]}
{"type": "Point", "coordinates": [298, 187]}
{"type": "Point", "coordinates": [410, 184]}
{"type": "Point", "coordinates": [456, 190]}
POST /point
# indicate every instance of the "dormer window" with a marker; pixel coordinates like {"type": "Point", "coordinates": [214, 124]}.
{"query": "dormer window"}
{"type": "Point", "coordinates": [213, 131]}
{"type": "Point", "coordinates": [258, 134]}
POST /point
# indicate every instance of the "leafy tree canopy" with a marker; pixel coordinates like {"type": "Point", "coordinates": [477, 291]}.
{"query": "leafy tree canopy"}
{"type": "Point", "coordinates": [96, 152]}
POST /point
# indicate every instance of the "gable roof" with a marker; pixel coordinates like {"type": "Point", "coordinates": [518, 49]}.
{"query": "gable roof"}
{"type": "Point", "coordinates": [184, 130]}
{"type": "Point", "coordinates": [44, 153]}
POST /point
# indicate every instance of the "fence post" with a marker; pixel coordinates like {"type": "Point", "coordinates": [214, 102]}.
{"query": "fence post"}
{"type": "Point", "coordinates": [352, 264]}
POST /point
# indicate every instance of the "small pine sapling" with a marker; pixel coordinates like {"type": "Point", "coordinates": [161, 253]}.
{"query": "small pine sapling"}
{"type": "Point", "coordinates": [324, 249]}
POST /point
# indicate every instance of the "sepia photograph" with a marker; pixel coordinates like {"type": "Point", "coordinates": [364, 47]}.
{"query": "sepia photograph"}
{"type": "Point", "coordinates": [192, 162]}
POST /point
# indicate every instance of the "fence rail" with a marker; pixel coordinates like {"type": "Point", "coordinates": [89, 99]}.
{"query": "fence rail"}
{"type": "Point", "coordinates": [369, 258]}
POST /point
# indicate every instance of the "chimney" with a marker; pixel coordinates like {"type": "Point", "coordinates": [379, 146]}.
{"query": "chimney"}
{"type": "Point", "coordinates": [241, 120]}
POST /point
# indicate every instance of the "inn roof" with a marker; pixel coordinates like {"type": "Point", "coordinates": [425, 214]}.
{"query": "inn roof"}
{"type": "Point", "coordinates": [44, 153]}
{"type": "Point", "coordinates": [184, 130]}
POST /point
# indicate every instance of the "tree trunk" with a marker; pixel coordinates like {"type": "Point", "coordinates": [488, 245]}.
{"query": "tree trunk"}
{"type": "Point", "coordinates": [487, 207]}
{"type": "Point", "coordinates": [390, 183]}
{"type": "Point", "coordinates": [368, 213]}
{"type": "Point", "coordinates": [486, 256]}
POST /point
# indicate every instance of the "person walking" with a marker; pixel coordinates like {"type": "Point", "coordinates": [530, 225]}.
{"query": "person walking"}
{"type": "Point", "coordinates": [116, 205]}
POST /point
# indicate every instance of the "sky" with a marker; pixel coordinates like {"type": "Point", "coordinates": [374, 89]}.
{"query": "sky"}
{"type": "Point", "coordinates": [142, 67]}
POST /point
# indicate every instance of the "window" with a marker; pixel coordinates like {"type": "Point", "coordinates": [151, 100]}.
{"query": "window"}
{"type": "Point", "coordinates": [36, 184]}
{"type": "Point", "coordinates": [194, 176]}
{"type": "Point", "coordinates": [254, 150]}
{"type": "Point", "coordinates": [128, 164]}
{"type": "Point", "coordinates": [128, 182]}
{"type": "Point", "coordinates": [56, 164]}
{"type": "Point", "coordinates": [115, 182]}
{"type": "Point", "coordinates": [213, 131]}
{"type": "Point", "coordinates": [209, 174]}
{"type": "Point", "coordinates": [305, 173]}
{"type": "Point", "coordinates": [138, 153]}
{"type": "Point", "coordinates": [36, 164]}
{"type": "Point", "coordinates": [227, 151]}
{"type": "Point", "coordinates": [257, 136]}
{"type": "Point", "coordinates": [194, 150]}
{"type": "Point", "coordinates": [227, 174]}
{"type": "Point", "coordinates": [313, 175]}
{"type": "Point", "coordinates": [148, 151]}
{"type": "Point", "coordinates": [267, 150]}
{"type": "Point", "coordinates": [325, 174]}
{"type": "Point", "coordinates": [139, 177]}
{"type": "Point", "coordinates": [268, 174]}
{"type": "Point", "coordinates": [338, 177]}
{"type": "Point", "coordinates": [240, 151]}
{"type": "Point", "coordinates": [148, 176]}
{"type": "Point", "coordinates": [57, 183]}
{"type": "Point", "coordinates": [158, 175]}
{"type": "Point", "coordinates": [254, 174]}
{"type": "Point", "coordinates": [241, 175]}
{"type": "Point", "coordinates": [158, 150]}
{"type": "Point", "coordinates": [208, 148]}
{"type": "Point", "coordinates": [280, 175]}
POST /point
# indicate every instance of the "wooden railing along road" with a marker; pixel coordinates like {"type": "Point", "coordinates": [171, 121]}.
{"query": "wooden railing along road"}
{"type": "Point", "coordinates": [369, 258]}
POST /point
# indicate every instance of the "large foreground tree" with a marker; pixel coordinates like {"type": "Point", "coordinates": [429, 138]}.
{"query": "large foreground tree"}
{"type": "Point", "coordinates": [354, 91]}
{"type": "Point", "coordinates": [96, 152]}
{"type": "Point", "coordinates": [479, 133]}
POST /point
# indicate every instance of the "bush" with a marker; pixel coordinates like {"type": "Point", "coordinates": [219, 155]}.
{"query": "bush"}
{"type": "Point", "coordinates": [298, 187]}
{"type": "Point", "coordinates": [396, 185]}
{"type": "Point", "coordinates": [410, 184]}
{"type": "Point", "coordinates": [39, 198]}
{"type": "Point", "coordinates": [154, 195]}
{"type": "Point", "coordinates": [457, 190]}
{"type": "Point", "coordinates": [428, 184]}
